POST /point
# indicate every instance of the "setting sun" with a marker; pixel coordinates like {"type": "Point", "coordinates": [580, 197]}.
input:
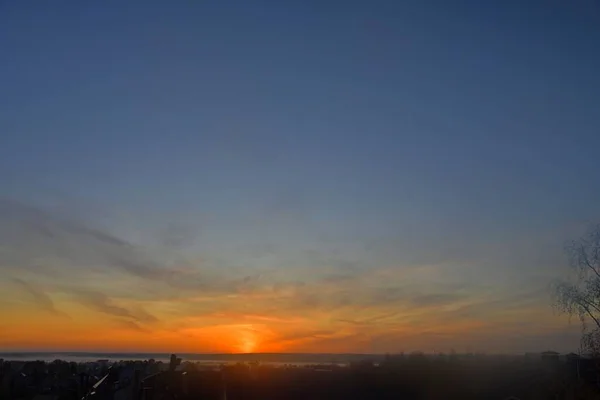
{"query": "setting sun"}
{"type": "Point", "coordinates": [247, 341]}
{"type": "Point", "coordinates": [247, 346]}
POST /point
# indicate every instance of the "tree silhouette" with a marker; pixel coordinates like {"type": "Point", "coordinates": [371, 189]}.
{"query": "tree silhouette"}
{"type": "Point", "coordinates": [580, 295]}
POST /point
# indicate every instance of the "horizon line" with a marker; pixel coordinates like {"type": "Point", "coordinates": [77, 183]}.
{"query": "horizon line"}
{"type": "Point", "coordinates": [168, 353]}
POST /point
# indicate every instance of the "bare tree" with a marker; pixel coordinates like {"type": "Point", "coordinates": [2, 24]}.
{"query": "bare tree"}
{"type": "Point", "coordinates": [580, 296]}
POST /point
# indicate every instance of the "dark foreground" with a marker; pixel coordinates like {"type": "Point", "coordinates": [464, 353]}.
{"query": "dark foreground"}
{"type": "Point", "coordinates": [400, 377]}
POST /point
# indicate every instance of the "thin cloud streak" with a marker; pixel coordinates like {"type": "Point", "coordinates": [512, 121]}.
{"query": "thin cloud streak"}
{"type": "Point", "coordinates": [41, 298]}
{"type": "Point", "coordinates": [327, 294]}
{"type": "Point", "coordinates": [32, 239]}
{"type": "Point", "coordinates": [100, 302]}
{"type": "Point", "coordinates": [130, 326]}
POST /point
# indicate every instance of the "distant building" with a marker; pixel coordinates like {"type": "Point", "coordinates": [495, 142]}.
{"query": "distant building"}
{"type": "Point", "coordinates": [550, 356]}
{"type": "Point", "coordinates": [571, 357]}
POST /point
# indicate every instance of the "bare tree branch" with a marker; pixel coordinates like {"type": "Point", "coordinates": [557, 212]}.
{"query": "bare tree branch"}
{"type": "Point", "coordinates": [588, 264]}
{"type": "Point", "coordinates": [582, 296]}
{"type": "Point", "coordinates": [592, 316]}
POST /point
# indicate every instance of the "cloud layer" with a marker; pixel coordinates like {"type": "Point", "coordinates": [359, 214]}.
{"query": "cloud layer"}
{"type": "Point", "coordinates": [63, 267]}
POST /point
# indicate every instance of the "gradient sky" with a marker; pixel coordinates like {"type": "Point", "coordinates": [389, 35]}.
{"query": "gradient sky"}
{"type": "Point", "coordinates": [298, 176]}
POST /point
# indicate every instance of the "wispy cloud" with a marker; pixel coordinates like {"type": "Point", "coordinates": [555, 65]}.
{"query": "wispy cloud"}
{"type": "Point", "coordinates": [41, 298]}
{"type": "Point", "coordinates": [100, 302]}
{"type": "Point", "coordinates": [143, 315]}
{"type": "Point", "coordinates": [436, 299]}
{"type": "Point", "coordinates": [324, 298]}
{"type": "Point", "coordinates": [36, 239]}
{"type": "Point", "coordinates": [130, 325]}
{"type": "Point", "coordinates": [177, 235]}
{"type": "Point", "coordinates": [379, 319]}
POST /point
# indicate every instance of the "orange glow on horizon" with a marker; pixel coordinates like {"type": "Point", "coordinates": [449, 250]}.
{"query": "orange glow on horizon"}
{"type": "Point", "coordinates": [248, 344]}
{"type": "Point", "coordinates": [244, 325]}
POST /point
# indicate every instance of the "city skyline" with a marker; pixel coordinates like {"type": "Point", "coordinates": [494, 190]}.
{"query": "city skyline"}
{"type": "Point", "coordinates": [301, 177]}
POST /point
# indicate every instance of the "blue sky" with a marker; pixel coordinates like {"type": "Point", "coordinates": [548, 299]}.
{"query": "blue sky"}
{"type": "Point", "coordinates": [297, 134]}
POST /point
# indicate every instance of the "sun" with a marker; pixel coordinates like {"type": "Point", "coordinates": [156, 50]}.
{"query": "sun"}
{"type": "Point", "coordinates": [247, 341]}
{"type": "Point", "coordinates": [247, 345]}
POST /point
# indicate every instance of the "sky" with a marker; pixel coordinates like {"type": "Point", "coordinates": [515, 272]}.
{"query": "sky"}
{"type": "Point", "coordinates": [298, 176]}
